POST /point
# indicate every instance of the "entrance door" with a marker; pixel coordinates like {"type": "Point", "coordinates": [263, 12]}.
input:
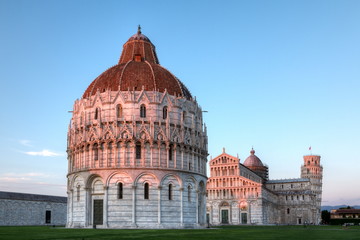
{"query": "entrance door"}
{"type": "Point", "coordinates": [48, 216]}
{"type": "Point", "coordinates": [224, 216]}
{"type": "Point", "coordinates": [98, 212]}
{"type": "Point", "coordinates": [244, 218]}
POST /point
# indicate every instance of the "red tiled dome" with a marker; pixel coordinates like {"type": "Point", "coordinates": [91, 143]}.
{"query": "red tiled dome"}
{"type": "Point", "coordinates": [138, 69]}
{"type": "Point", "coordinates": [253, 160]}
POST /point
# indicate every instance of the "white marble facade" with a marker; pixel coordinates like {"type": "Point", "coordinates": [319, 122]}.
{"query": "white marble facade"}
{"type": "Point", "coordinates": [137, 157]}
{"type": "Point", "coordinates": [238, 195]}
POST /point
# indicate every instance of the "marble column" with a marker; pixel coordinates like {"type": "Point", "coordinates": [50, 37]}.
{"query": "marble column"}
{"type": "Point", "coordinates": [159, 205]}
{"type": "Point", "coordinates": [133, 220]}
{"type": "Point", "coordinates": [105, 222]}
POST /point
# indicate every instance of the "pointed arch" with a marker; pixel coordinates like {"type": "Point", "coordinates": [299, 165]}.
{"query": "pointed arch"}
{"type": "Point", "coordinates": [165, 112]}
{"type": "Point", "coordinates": [143, 97]}
{"type": "Point", "coordinates": [125, 134]}
{"type": "Point", "coordinates": [143, 111]}
{"type": "Point", "coordinates": [119, 111]}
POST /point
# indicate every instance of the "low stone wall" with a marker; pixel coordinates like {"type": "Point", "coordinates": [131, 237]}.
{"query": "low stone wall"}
{"type": "Point", "coordinates": [22, 212]}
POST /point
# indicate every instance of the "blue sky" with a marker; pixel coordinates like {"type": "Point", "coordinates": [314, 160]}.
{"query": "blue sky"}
{"type": "Point", "coordinates": [276, 75]}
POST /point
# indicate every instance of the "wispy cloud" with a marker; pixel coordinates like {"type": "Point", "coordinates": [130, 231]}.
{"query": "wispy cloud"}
{"type": "Point", "coordinates": [45, 153]}
{"type": "Point", "coordinates": [25, 142]}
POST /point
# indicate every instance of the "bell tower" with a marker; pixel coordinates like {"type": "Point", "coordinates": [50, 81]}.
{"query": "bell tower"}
{"type": "Point", "coordinates": [313, 170]}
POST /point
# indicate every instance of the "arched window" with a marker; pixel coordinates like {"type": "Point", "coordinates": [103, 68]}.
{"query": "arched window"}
{"type": "Point", "coordinates": [97, 113]}
{"type": "Point", "coordinates": [142, 111]}
{"type": "Point", "coordinates": [170, 152]}
{"type": "Point", "coordinates": [146, 191]}
{"type": "Point", "coordinates": [170, 191]}
{"type": "Point", "coordinates": [165, 111]}
{"type": "Point", "coordinates": [288, 211]}
{"type": "Point", "coordinates": [189, 193]}
{"type": "Point", "coordinates": [96, 151]}
{"type": "Point", "coordinates": [120, 191]}
{"type": "Point", "coordinates": [78, 193]}
{"type": "Point", "coordinates": [118, 111]}
{"type": "Point", "coordinates": [138, 151]}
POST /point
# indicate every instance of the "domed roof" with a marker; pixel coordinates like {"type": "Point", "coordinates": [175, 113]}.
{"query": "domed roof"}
{"type": "Point", "coordinates": [138, 69]}
{"type": "Point", "coordinates": [253, 160]}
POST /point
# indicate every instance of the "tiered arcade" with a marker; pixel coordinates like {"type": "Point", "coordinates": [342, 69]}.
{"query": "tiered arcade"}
{"type": "Point", "coordinates": [137, 148]}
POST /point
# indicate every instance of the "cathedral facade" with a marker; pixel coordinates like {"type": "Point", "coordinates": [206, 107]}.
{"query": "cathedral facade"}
{"type": "Point", "coordinates": [137, 148]}
{"type": "Point", "coordinates": [241, 193]}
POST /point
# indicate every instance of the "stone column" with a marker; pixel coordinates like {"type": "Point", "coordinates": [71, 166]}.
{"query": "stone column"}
{"type": "Point", "coordinates": [151, 153]}
{"type": "Point", "coordinates": [82, 154]}
{"type": "Point", "coordinates": [113, 155]}
{"type": "Point", "coordinates": [197, 206]}
{"type": "Point", "coordinates": [70, 208]}
{"type": "Point", "coordinates": [133, 158]}
{"type": "Point", "coordinates": [105, 223]}
{"type": "Point", "coordinates": [123, 155]}
{"type": "Point", "coordinates": [230, 213]}
{"type": "Point", "coordinates": [181, 206]}
{"type": "Point", "coordinates": [159, 205]}
{"type": "Point", "coordinates": [91, 158]}
{"type": "Point", "coordinates": [249, 212]}
{"type": "Point", "coordinates": [99, 156]}
{"type": "Point", "coordinates": [87, 206]}
{"type": "Point", "coordinates": [174, 155]}
{"type": "Point", "coordinates": [134, 205]}
{"type": "Point", "coordinates": [167, 149]}
{"type": "Point", "coordinates": [143, 153]}
{"type": "Point", "coordinates": [193, 160]}
{"type": "Point", "coordinates": [117, 154]}
{"type": "Point", "coordinates": [182, 156]}
{"type": "Point", "coordinates": [159, 153]}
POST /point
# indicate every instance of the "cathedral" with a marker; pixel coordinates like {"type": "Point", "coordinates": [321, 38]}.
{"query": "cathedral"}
{"type": "Point", "coordinates": [241, 193]}
{"type": "Point", "coordinates": [137, 148]}
{"type": "Point", "coordinates": [137, 158]}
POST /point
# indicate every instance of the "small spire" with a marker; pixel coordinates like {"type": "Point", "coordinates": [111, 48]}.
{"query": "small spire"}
{"type": "Point", "coordinates": [139, 29]}
{"type": "Point", "coordinates": [252, 152]}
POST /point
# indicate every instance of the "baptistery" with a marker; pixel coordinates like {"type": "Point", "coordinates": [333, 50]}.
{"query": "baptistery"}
{"type": "Point", "coordinates": [137, 148]}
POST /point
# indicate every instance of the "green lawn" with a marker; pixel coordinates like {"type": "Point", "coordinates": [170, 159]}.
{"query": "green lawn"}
{"type": "Point", "coordinates": [226, 233]}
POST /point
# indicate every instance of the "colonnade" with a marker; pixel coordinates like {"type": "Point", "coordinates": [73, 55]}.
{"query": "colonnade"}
{"type": "Point", "coordinates": [136, 154]}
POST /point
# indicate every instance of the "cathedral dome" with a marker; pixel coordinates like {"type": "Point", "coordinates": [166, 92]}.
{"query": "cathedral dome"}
{"type": "Point", "coordinates": [138, 69]}
{"type": "Point", "coordinates": [253, 160]}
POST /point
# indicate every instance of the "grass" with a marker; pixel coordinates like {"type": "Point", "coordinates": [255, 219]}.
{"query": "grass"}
{"type": "Point", "coordinates": [226, 233]}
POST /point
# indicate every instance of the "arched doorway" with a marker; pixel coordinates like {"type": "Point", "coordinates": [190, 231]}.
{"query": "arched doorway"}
{"type": "Point", "coordinates": [243, 212]}
{"type": "Point", "coordinates": [97, 201]}
{"type": "Point", "coordinates": [224, 212]}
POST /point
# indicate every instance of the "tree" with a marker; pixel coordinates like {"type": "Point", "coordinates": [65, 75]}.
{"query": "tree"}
{"type": "Point", "coordinates": [325, 217]}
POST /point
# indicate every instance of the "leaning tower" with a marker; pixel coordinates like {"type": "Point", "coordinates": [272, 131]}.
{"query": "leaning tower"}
{"type": "Point", "coordinates": [313, 170]}
{"type": "Point", "coordinates": [137, 148]}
